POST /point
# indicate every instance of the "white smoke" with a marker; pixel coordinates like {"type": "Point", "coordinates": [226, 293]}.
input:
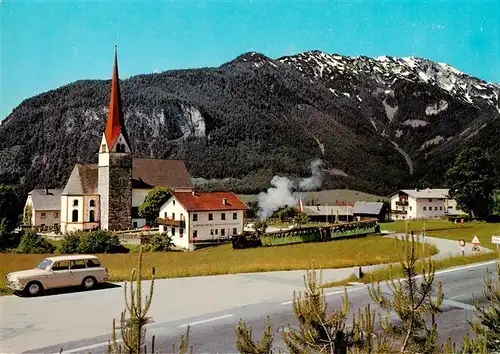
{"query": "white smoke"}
{"type": "Point", "coordinates": [282, 191]}
{"type": "Point", "coordinates": [315, 180]}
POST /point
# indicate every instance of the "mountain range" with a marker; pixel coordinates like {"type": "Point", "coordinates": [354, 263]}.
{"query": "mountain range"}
{"type": "Point", "coordinates": [378, 124]}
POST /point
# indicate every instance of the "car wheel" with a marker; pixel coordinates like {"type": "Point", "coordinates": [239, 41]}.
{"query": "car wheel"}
{"type": "Point", "coordinates": [34, 288]}
{"type": "Point", "coordinates": [89, 283]}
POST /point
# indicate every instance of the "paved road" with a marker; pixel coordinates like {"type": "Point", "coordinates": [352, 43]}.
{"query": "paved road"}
{"type": "Point", "coordinates": [213, 332]}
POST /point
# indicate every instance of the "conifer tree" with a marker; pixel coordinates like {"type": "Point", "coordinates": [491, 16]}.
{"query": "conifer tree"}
{"type": "Point", "coordinates": [365, 339]}
{"type": "Point", "coordinates": [318, 331]}
{"type": "Point", "coordinates": [132, 329]}
{"type": "Point", "coordinates": [412, 302]}
{"type": "Point", "coordinates": [487, 325]}
{"type": "Point", "coordinates": [247, 345]}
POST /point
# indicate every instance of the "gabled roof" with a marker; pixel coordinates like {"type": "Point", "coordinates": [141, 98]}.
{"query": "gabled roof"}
{"type": "Point", "coordinates": [115, 123]}
{"type": "Point", "coordinates": [148, 173]}
{"type": "Point", "coordinates": [209, 201]}
{"type": "Point", "coordinates": [46, 199]}
{"type": "Point", "coordinates": [83, 180]}
{"type": "Point", "coordinates": [425, 193]}
{"type": "Point", "coordinates": [322, 210]}
{"type": "Point", "coordinates": [370, 208]}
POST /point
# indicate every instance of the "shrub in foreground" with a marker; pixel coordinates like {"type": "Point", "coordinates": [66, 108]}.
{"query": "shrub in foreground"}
{"type": "Point", "coordinates": [31, 242]}
{"type": "Point", "coordinates": [160, 242]}
{"type": "Point", "coordinates": [92, 242]}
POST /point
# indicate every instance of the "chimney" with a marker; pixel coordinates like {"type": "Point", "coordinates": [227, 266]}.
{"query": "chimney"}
{"type": "Point", "coordinates": [224, 201]}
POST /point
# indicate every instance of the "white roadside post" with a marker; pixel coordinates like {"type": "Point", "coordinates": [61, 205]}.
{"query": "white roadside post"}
{"type": "Point", "coordinates": [495, 240]}
{"type": "Point", "coordinates": [462, 246]}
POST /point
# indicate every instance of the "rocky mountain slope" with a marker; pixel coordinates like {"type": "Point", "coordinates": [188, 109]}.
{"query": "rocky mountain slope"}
{"type": "Point", "coordinates": [378, 124]}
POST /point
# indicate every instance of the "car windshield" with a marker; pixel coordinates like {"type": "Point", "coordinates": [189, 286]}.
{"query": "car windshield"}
{"type": "Point", "coordinates": [44, 264]}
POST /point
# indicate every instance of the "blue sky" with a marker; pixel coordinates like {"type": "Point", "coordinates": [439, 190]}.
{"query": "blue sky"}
{"type": "Point", "coordinates": [46, 45]}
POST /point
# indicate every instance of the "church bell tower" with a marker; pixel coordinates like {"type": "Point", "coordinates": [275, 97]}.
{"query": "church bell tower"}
{"type": "Point", "coordinates": [115, 165]}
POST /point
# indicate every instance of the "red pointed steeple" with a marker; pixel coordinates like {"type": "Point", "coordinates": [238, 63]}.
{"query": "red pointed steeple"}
{"type": "Point", "coordinates": [115, 124]}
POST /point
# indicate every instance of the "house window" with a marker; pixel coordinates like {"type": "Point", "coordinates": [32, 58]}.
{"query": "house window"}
{"type": "Point", "coordinates": [173, 202]}
{"type": "Point", "coordinates": [440, 208]}
{"type": "Point", "coordinates": [410, 208]}
{"type": "Point", "coordinates": [430, 200]}
{"type": "Point", "coordinates": [56, 215]}
{"type": "Point", "coordinates": [135, 224]}
{"type": "Point", "coordinates": [425, 208]}
{"type": "Point", "coordinates": [435, 208]}
{"type": "Point", "coordinates": [235, 231]}
{"type": "Point", "coordinates": [103, 147]}
{"type": "Point", "coordinates": [181, 232]}
{"type": "Point", "coordinates": [173, 231]}
{"type": "Point", "coordinates": [195, 233]}
{"type": "Point", "coordinates": [235, 216]}
{"type": "Point", "coordinates": [43, 215]}
{"type": "Point", "coordinates": [182, 216]}
{"type": "Point", "coordinates": [92, 216]}
{"type": "Point", "coordinates": [75, 202]}
{"type": "Point", "coordinates": [210, 216]}
{"type": "Point", "coordinates": [75, 216]}
{"type": "Point", "coordinates": [92, 203]}
{"type": "Point", "coordinates": [211, 232]}
{"type": "Point", "coordinates": [216, 231]}
{"type": "Point", "coordinates": [223, 216]}
{"type": "Point", "coordinates": [222, 232]}
{"type": "Point", "coordinates": [450, 206]}
{"type": "Point", "coordinates": [195, 217]}
{"type": "Point", "coordinates": [173, 216]}
{"type": "Point", "coordinates": [165, 215]}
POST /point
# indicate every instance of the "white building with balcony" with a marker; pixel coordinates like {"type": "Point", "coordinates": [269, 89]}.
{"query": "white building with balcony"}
{"type": "Point", "coordinates": [422, 204]}
{"type": "Point", "coordinates": [191, 218]}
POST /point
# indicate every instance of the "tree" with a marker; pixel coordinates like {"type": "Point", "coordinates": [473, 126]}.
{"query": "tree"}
{"type": "Point", "coordinates": [253, 210]}
{"type": "Point", "coordinates": [318, 331]}
{"type": "Point", "coordinates": [260, 226]}
{"type": "Point", "coordinates": [8, 207]}
{"type": "Point", "coordinates": [133, 332]}
{"type": "Point", "coordinates": [301, 219]}
{"type": "Point", "coordinates": [412, 302]}
{"type": "Point", "coordinates": [471, 182]}
{"type": "Point", "coordinates": [487, 325]}
{"type": "Point", "coordinates": [28, 214]}
{"type": "Point", "coordinates": [150, 208]}
{"type": "Point", "coordinates": [247, 345]}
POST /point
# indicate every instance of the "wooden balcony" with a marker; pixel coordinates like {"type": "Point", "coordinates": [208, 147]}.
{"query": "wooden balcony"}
{"type": "Point", "coordinates": [402, 202]}
{"type": "Point", "coordinates": [401, 212]}
{"type": "Point", "coordinates": [171, 222]}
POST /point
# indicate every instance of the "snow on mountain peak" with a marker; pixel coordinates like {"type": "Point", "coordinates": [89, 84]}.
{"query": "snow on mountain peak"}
{"type": "Point", "coordinates": [384, 71]}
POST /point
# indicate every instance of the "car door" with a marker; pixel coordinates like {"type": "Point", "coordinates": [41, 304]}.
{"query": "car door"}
{"type": "Point", "coordinates": [60, 275]}
{"type": "Point", "coordinates": [78, 271]}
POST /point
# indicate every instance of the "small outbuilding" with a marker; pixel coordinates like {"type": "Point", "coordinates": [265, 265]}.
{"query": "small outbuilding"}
{"type": "Point", "coordinates": [369, 210]}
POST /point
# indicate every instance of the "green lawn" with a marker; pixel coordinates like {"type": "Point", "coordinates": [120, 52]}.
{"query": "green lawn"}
{"type": "Point", "coordinates": [449, 230]}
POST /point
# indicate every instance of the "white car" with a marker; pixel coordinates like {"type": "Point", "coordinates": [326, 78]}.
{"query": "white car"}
{"type": "Point", "coordinates": [58, 272]}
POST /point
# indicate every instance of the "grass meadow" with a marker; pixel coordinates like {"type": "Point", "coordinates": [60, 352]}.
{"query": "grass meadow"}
{"type": "Point", "coordinates": [449, 230]}
{"type": "Point", "coordinates": [440, 229]}
{"type": "Point", "coordinates": [224, 260]}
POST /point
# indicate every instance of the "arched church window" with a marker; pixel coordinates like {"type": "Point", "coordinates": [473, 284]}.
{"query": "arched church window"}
{"type": "Point", "coordinates": [92, 216]}
{"type": "Point", "coordinates": [75, 216]}
{"type": "Point", "coordinates": [75, 202]}
{"type": "Point", "coordinates": [92, 203]}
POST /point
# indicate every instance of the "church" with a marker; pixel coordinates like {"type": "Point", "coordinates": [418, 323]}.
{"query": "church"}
{"type": "Point", "coordinates": [107, 195]}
